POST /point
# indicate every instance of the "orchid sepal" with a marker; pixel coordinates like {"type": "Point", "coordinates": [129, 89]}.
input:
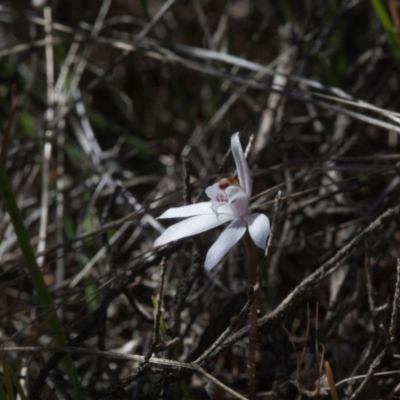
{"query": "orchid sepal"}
{"type": "Point", "coordinates": [242, 167]}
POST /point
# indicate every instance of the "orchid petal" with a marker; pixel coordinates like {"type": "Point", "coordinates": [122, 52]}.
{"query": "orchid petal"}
{"type": "Point", "coordinates": [259, 229]}
{"type": "Point", "coordinates": [214, 192]}
{"type": "Point", "coordinates": [228, 238]}
{"type": "Point", "coordinates": [188, 211]}
{"type": "Point", "coordinates": [225, 209]}
{"type": "Point", "coordinates": [217, 196]}
{"type": "Point", "coordinates": [192, 226]}
{"type": "Point", "coordinates": [241, 164]}
{"type": "Point", "coordinates": [238, 200]}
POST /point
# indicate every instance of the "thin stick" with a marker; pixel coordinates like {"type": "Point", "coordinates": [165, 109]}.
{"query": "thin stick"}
{"type": "Point", "coordinates": [277, 202]}
{"type": "Point", "coordinates": [157, 316]}
{"type": "Point", "coordinates": [44, 207]}
{"type": "Point", "coordinates": [160, 362]}
{"type": "Point", "coordinates": [395, 309]}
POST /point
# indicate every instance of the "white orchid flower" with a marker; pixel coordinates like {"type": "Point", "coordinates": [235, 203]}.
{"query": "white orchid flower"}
{"type": "Point", "coordinates": [229, 202]}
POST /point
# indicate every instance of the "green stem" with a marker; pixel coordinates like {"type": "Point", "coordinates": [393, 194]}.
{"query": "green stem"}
{"type": "Point", "coordinates": [251, 257]}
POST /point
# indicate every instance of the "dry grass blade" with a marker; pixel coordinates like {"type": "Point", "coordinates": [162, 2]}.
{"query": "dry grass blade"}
{"type": "Point", "coordinates": [331, 381]}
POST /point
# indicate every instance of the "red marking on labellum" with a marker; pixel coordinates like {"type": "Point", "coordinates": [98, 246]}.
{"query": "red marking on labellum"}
{"type": "Point", "coordinates": [224, 183]}
{"type": "Point", "coordinates": [222, 198]}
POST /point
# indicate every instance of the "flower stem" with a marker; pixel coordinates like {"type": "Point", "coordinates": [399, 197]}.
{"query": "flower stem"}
{"type": "Point", "coordinates": [251, 257]}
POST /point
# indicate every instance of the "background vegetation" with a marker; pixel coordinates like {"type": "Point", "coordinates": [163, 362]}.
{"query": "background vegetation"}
{"type": "Point", "coordinates": [113, 111]}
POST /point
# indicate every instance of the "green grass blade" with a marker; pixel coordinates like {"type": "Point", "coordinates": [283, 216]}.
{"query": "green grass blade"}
{"type": "Point", "coordinates": [15, 380]}
{"type": "Point", "coordinates": [184, 389]}
{"type": "Point", "coordinates": [382, 14]}
{"type": "Point", "coordinates": [3, 395]}
{"type": "Point", "coordinates": [387, 24]}
{"type": "Point", "coordinates": [145, 9]}
{"type": "Point", "coordinates": [7, 382]}
{"type": "Point", "coordinates": [42, 291]}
